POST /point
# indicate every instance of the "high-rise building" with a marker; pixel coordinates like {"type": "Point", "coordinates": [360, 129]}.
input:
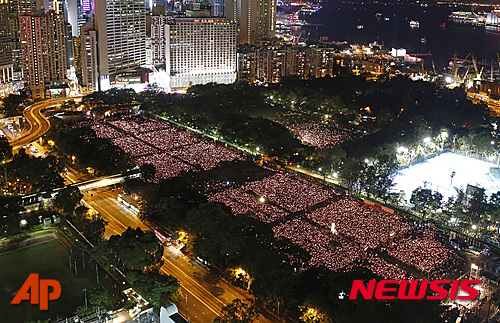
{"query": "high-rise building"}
{"type": "Point", "coordinates": [322, 62]}
{"type": "Point", "coordinates": [271, 65]}
{"type": "Point", "coordinates": [121, 37]}
{"type": "Point", "coordinates": [158, 43]}
{"type": "Point", "coordinates": [6, 66]}
{"type": "Point", "coordinates": [298, 61]}
{"type": "Point", "coordinates": [198, 8]}
{"type": "Point", "coordinates": [84, 14]}
{"type": "Point", "coordinates": [217, 7]}
{"type": "Point", "coordinates": [57, 32]}
{"type": "Point", "coordinates": [200, 51]}
{"type": "Point", "coordinates": [25, 6]}
{"type": "Point", "coordinates": [77, 45]}
{"type": "Point", "coordinates": [34, 49]}
{"type": "Point", "coordinates": [255, 19]}
{"type": "Point", "coordinates": [247, 66]}
{"type": "Point", "coordinates": [43, 49]}
{"type": "Point", "coordinates": [268, 64]}
{"type": "Point", "coordinates": [88, 57]}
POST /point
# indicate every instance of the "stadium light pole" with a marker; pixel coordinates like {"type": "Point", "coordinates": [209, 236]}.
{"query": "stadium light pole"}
{"type": "Point", "coordinates": [85, 291]}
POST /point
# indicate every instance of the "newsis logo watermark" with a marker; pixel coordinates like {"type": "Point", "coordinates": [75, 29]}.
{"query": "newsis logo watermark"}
{"type": "Point", "coordinates": [413, 289]}
{"type": "Point", "coordinates": [37, 291]}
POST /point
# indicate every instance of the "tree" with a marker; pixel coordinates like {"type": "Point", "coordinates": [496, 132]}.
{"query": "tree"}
{"type": "Point", "coordinates": [310, 314]}
{"type": "Point", "coordinates": [137, 250]}
{"type": "Point", "coordinates": [494, 205]}
{"type": "Point", "coordinates": [238, 312]}
{"type": "Point", "coordinates": [168, 210]}
{"type": "Point", "coordinates": [382, 188]}
{"type": "Point", "coordinates": [476, 206]}
{"type": "Point", "coordinates": [425, 199]}
{"type": "Point", "coordinates": [93, 228]}
{"type": "Point", "coordinates": [5, 150]}
{"type": "Point", "coordinates": [68, 199]}
{"type": "Point", "coordinates": [9, 215]}
{"type": "Point", "coordinates": [218, 234]}
{"type": "Point", "coordinates": [148, 172]}
{"type": "Point", "coordinates": [98, 297]}
{"type": "Point", "coordinates": [156, 288]}
{"type": "Point", "coordinates": [13, 105]}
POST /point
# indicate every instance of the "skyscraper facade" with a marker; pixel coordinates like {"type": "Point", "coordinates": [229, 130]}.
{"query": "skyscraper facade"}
{"type": "Point", "coordinates": [6, 66]}
{"type": "Point", "coordinates": [43, 51]}
{"type": "Point", "coordinates": [35, 61]}
{"type": "Point", "coordinates": [218, 7]}
{"type": "Point", "coordinates": [88, 55]}
{"type": "Point", "coordinates": [255, 19]}
{"type": "Point", "coordinates": [158, 43]}
{"type": "Point", "coordinates": [121, 36]}
{"type": "Point", "coordinates": [200, 51]}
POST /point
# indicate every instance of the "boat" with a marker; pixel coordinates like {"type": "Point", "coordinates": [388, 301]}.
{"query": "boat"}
{"type": "Point", "coordinates": [387, 18]}
{"type": "Point", "coordinates": [467, 17]}
{"type": "Point", "coordinates": [360, 26]}
{"type": "Point", "coordinates": [378, 15]}
{"type": "Point", "coordinates": [311, 9]}
{"type": "Point", "coordinates": [423, 40]}
{"type": "Point", "coordinates": [414, 24]}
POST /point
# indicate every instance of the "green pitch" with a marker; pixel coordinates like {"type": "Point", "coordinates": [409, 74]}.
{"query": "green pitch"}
{"type": "Point", "coordinates": [50, 260]}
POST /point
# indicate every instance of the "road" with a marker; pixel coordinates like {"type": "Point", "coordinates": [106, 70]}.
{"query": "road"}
{"type": "Point", "coordinates": [39, 125]}
{"type": "Point", "coordinates": [313, 174]}
{"type": "Point", "coordinates": [206, 292]}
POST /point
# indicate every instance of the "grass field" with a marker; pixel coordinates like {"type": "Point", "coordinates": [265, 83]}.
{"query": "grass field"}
{"type": "Point", "coordinates": [51, 261]}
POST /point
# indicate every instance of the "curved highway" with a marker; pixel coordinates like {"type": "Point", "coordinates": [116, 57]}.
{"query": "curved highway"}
{"type": "Point", "coordinates": [39, 125]}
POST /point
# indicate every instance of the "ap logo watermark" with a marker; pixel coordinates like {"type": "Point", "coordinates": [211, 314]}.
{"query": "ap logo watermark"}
{"type": "Point", "coordinates": [37, 290]}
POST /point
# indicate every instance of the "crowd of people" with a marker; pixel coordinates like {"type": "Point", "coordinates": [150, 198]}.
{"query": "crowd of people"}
{"type": "Point", "coordinates": [326, 250]}
{"type": "Point", "coordinates": [315, 133]}
{"type": "Point", "coordinates": [272, 197]}
{"type": "Point", "coordinates": [175, 138]}
{"type": "Point", "coordinates": [104, 131]}
{"type": "Point", "coordinates": [424, 253]}
{"type": "Point", "coordinates": [289, 192]}
{"type": "Point", "coordinates": [170, 150]}
{"type": "Point", "coordinates": [137, 124]}
{"type": "Point", "coordinates": [383, 269]}
{"type": "Point", "coordinates": [165, 165]}
{"type": "Point", "coordinates": [339, 232]}
{"type": "Point", "coordinates": [242, 202]}
{"type": "Point", "coordinates": [205, 154]}
{"type": "Point", "coordinates": [134, 147]}
{"type": "Point", "coordinates": [359, 222]}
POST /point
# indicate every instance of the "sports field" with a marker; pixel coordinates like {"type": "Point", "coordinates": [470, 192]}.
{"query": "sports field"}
{"type": "Point", "coordinates": [51, 260]}
{"type": "Point", "coordinates": [435, 173]}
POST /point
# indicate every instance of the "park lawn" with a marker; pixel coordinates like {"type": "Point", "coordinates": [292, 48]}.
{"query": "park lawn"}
{"type": "Point", "coordinates": [51, 260]}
